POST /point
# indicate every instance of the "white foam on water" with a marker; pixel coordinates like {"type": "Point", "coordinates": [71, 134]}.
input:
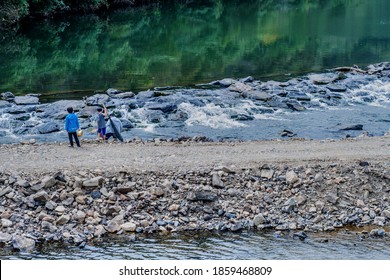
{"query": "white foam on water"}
{"type": "Point", "coordinates": [377, 91]}
{"type": "Point", "coordinates": [5, 121]}
{"type": "Point", "coordinates": [139, 118]}
{"type": "Point", "coordinates": [210, 115]}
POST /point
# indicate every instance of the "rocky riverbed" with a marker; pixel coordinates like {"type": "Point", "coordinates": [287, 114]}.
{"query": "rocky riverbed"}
{"type": "Point", "coordinates": [46, 196]}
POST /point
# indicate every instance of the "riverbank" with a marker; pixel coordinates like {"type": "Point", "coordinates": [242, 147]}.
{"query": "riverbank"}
{"type": "Point", "coordinates": [50, 192]}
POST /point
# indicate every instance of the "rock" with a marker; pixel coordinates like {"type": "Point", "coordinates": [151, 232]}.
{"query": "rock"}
{"type": "Point", "coordinates": [295, 105]}
{"type": "Point", "coordinates": [353, 127]}
{"type": "Point", "coordinates": [259, 220]}
{"type": "Point", "coordinates": [48, 181]}
{"type": "Point", "coordinates": [26, 100]}
{"type": "Point", "coordinates": [204, 196]}
{"type": "Point", "coordinates": [267, 173]}
{"type": "Point", "coordinates": [380, 221]}
{"type": "Point", "coordinates": [174, 207]}
{"type": "Point", "coordinates": [113, 226]}
{"type": "Point", "coordinates": [5, 237]}
{"type": "Point", "coordinates": [336, 88]}
{"type": "Point", "coordinates": [128, 187]}
{"type": "Point", "coordinates": [6, 223]}
{"type": "Point", "coordinates": [96, 194]}
{"type": "Point", "coordinates": [332, 198]}
{"type": "Point", "coordinates": [129, 227]}
{"type": "Point", "coordinates": [224, 82]}
{"type": "Point", "coordinates": [99, 231]}
{"type": "Point", "coordinates": [239, 87]}
{"type": "Point", "coordinates": [7, 95]}
{"type": "Point", "coordinates": [386, 214]}
{"type": "Point", "coordinates": [64, 219]}
{"type": "Point", "coordinates": [217, 182]}
{"type": "Point", "coordinates": [360, 203]}
{"type": "Point", "coordinates": [5, 190]}
{"type": "Point", "coordinates": [94, 182]}
{"type": "Point", "coordinates": [23, 243]}
{"type": "Point", "coordinates": [158, 191]}
{"type": "Point", "coordinates": [321, 79]}
{"type": "Point", "coordinates": [259, 95]}
{"type": "Point", "coordinates": [48, 127]}
{"type": "Point", "coordinates": [22, 183]}
{"type": "Point", "coordinates": [291, 177]}
{"type": "Point", "coordinates": [97, 100]}
{"type": "Point", "coordinates": [41, 197]}
{"type": "Point", "coordinates": [301, 235]}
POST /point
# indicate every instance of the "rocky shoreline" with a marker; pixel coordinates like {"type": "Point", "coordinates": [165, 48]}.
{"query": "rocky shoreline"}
{"type": "Point", "coordinates": [80, 206]}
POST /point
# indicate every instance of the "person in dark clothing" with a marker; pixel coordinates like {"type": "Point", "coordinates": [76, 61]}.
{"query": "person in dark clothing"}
{"type": "Point", "coordinates": [71, 126]}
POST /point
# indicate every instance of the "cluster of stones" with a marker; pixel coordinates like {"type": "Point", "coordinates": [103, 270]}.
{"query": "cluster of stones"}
{"type": "Point", "coordinates": [81, 206]}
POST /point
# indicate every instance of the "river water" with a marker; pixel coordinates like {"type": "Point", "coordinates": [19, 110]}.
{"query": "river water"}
{"type": "Point", "coordinates": [343, 245]}
{"type": "Point", "coordinates": [179, 45]}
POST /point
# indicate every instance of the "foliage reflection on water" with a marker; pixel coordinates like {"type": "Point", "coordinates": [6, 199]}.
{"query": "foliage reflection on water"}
{"type": "Point", "coordinates": [182, 45]}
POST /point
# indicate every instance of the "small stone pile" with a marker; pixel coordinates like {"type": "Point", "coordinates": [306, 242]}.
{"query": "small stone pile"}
{"type": "Point", "coordinates": [80, 206]}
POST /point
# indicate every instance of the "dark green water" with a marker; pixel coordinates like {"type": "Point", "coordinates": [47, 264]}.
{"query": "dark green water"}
{"type": "Point", "coordinates": [183, 45]}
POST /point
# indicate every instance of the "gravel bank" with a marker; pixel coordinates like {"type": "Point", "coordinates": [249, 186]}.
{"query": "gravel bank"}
{"type": "Point", "coordinates": [50, 192]}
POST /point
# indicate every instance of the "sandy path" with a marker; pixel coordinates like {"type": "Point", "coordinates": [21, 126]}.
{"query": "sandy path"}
{"type": "Point", "coordinates": [172, 156]}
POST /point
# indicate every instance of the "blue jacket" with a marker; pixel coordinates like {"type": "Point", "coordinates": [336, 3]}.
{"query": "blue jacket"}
{"type": "Point", "coordinates": [71, 123]}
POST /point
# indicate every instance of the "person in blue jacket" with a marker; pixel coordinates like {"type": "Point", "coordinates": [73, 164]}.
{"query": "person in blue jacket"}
{"type": "Point", "coordinates": [71, 126]}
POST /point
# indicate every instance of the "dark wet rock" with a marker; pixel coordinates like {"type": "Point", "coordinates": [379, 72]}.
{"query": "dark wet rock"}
{"type": "Point", "coordinates": [48, 127]}
{"type": "Point", "coordinates": [26, 100]}
{"type": "Point", "coordinates": [7, 96]}
{"type": "Point", "coordinates": [164, 107]}
{"type": "Point", "coordinates": [298, 96]}
{"type": "Point", "coordinates": [287, 133]}
{"type": "Point", "coordinates": [353, 127]}
{"type": "Point", "coordinates": [242, 117]}
{"type": "Point", "coordinates": [336, 88]}
{"type": "Point", "coordinates": [96, 194]}
{"type": "Point", "coordinates": [277, 102]}
{"type": "Point", "coordinates": [295, 105]}
{"type": "Point", "coordinates": [23, 117]}
{"type": "Point", "coordinates": [300, 235]}
{"type": "Point", "coordinates": [230, 215]}
{"type": "Point", "coordinates": [206, 196]}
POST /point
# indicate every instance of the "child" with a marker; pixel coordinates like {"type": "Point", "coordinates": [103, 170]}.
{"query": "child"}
{"type": "Point", "coordinates": [101, 122]}
{"type": "Point", "coordinates": [71, 126]}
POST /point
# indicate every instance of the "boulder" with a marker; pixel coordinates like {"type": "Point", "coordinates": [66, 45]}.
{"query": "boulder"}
{"type": "Point", "coordinates": [23, 243]}
{"type": "Point", "coordinates": [48, 127]}
{"type": "Point", "coordinates": [26, 100]}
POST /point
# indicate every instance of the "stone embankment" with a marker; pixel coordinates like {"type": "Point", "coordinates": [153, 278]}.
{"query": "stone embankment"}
{"type": "Point", "coordinates": [85, 205]}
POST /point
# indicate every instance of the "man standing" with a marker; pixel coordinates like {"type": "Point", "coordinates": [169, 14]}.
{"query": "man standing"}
{"type": "Point", "coordinates": [71, 126]}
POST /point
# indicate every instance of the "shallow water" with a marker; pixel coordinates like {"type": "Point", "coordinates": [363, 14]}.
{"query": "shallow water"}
{"type": "Point", "coordinates": [229, 246]}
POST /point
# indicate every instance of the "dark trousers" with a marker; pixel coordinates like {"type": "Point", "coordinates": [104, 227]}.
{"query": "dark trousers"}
{"type": "Point", "coordinates": [74, 134]}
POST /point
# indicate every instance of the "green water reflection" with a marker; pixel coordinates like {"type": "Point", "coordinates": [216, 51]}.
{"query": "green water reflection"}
{"type": "Point", "coordinates": [183, 45]}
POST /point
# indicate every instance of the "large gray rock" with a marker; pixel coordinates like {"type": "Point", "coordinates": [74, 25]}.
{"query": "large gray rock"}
{"type": "Point", "coordinates": [48, 127]}
{"type": "Point", "coordinates": [23, 243]}
{"type": "Point", "coordinates": [259, 95]}
{"type": "Point", "coordinates": [26, 100]}
{"type": "Point", "coordinates": [7, 95]}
